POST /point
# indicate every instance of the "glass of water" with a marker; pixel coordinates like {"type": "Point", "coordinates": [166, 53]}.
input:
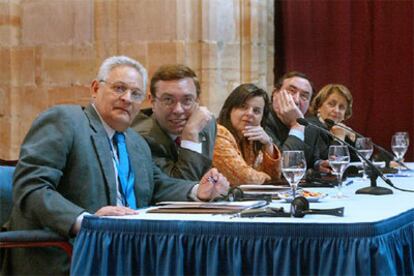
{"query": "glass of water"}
{"type": "Point", "coordinates": [365, 147]}
{"type": "Point", "coordinates": [405, 134]}
{"type": "Point", "coordinates": [293, 168]}
{"type": "Point", "coordinates": [399, 146]}
{"type": "Point", "coordinates": [339, 158]}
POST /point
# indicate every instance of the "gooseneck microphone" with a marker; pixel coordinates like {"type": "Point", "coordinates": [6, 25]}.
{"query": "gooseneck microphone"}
{"type": "Point", "coordinates": [330, 123]}
{"type": "Point", "coordinates": [373, 189]}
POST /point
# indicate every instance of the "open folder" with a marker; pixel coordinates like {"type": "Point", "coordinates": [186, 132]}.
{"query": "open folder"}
{"type": "Point", "coordinates": [222, 207]}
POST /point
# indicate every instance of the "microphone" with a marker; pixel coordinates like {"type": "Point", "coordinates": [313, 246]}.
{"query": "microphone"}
{"type": "Point", "coordinates": [330, 123]}
{"type": "Point", "coordinates": [373, 189]}
{"type": "Point", "coordinates": [300, 207]}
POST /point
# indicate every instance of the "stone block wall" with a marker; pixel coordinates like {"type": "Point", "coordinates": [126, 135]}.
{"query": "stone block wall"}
{"type": "Point", "coordinates": [50, 50]}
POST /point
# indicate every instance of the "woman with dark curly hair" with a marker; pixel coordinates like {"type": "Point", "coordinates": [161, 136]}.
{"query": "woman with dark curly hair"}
{"type": "Point", "coordinates": [244, 153]}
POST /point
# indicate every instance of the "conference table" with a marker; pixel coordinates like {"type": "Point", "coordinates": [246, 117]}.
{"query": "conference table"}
{"type": "Point", "coordinates": [374, 237]}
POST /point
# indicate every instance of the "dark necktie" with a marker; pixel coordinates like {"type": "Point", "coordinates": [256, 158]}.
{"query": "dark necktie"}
{"type": "Point", "coordinates": [125, 174]}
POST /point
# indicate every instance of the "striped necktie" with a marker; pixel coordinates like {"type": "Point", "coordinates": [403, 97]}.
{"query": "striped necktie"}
{"type": "Point", "coordinates": [125, 174]}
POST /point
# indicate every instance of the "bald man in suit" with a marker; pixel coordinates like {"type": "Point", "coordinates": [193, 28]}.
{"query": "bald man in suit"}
{"type": "Point", "coordinates": [69, 167]}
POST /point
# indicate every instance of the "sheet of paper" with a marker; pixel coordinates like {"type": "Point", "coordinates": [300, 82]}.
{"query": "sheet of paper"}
{"type": "Point", "coordinates": [205, 207]}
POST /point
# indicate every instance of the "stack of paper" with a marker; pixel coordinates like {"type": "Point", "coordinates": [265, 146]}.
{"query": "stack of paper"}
{"type": "Point", "coordinates": [221, 207]}
{"type": "Point", "coordinates": [263, 189]}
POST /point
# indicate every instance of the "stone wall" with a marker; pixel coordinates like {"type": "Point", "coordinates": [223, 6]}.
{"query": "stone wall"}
{"type": "Point", "coordinates": [50, 49]}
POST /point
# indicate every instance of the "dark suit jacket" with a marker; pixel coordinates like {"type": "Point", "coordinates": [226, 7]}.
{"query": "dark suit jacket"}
{"type": "Point", "coordinates": [325, 141]}
{"type": "Point", "coordinates": [175, 161]}
{"type": "Point", "coordinates": [280, 135]}
{"type": "Point", "coordinates": [66, 168]}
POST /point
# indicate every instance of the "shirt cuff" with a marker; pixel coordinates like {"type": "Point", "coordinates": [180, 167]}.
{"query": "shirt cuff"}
{"type": "Point", "coordinates": [190, 145]}
{"type": "Point", "coordinates": [193, 193]}
{"type": "Point", "coordinates": [317, 164]}
{"type": "Point", "coordinates": [77, 225]}
{"type": "Point", "coordinates": [297, 133]}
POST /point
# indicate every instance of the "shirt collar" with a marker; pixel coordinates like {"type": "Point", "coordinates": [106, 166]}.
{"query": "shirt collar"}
{"type": "Point", "coordinates": [172, 136]}
{"type": "Point", "coordinates": [109, 130]}
{"type": "Point", "coordinates": [321, 120]}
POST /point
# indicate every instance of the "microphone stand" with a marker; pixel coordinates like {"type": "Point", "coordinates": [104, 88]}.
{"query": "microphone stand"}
{"type": "Point", "coordinates": [331, 123]}
{"type": "Point", "coordinates": [374, 172]}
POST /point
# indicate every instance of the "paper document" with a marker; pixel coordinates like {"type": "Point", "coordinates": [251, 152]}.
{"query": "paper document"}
{"type": "Point", "coordinates": [256, 187]}
{"type": "Point", "coordinates": [205, 207]}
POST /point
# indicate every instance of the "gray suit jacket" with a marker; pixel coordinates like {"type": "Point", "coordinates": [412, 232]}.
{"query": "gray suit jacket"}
{"type": "Point", "coordinates": [66, 168]}
{"type": "Point", "coordinates": [175, 161]}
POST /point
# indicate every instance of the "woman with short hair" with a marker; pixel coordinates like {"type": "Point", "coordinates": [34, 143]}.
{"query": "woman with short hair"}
{"type": "Point", "coordinates": [333, 102]}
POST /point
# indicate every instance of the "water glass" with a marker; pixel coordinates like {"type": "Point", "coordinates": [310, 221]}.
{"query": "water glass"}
{"type": "Point", "coordinates": [339, 158]}
{"type": "Point", "coordinates": [399, 146]}
{"type": "Point", "coordinates": [365, 147]}
{"type": "Point", "coordinates": [293, 168]}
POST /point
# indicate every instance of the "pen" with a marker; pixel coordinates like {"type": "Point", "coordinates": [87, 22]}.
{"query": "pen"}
{"type": "Point", "coordinates": [211, 180]}
{"type": "Point", "coordinates": [397, 175]}
{"type": "Point", "coordinates": [349, 182]}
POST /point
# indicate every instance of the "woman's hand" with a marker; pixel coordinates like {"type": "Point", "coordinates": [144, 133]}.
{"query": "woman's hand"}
{"type": "Point", "coordinates": [257, 133]}
{"type": "Point", "coordinates": [341, 132]}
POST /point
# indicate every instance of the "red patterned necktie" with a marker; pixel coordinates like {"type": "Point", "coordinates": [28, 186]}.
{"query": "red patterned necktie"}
{"type": "Point", "coordinates": [178, 141]}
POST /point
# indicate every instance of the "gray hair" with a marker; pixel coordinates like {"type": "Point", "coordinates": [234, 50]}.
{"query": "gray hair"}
{"type": "Point", "coordinates": [115, 61]}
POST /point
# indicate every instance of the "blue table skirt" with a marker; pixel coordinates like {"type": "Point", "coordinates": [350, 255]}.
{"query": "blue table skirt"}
{"type": "Point", "coordinates": [124, 247]}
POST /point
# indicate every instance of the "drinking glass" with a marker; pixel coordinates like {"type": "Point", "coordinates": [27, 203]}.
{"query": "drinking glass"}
{"type": "Point", "coordinates": [293, 168]}
{"type": "Point", "coordinates": [365, 147]}
{"type": "Point", "coordinates": [338, 157]}
{"type": "Point", "coordinates": [405, 134]}
{"type": "Point", "coordinates": [399, 145]}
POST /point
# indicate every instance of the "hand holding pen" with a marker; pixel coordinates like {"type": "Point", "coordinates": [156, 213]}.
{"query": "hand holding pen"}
{"type": "Point", "coordinates": [212, 185]}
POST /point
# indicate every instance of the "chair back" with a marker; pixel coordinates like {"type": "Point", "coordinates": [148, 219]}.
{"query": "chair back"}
{"type": "Point", "coordinates": [21, 238]}
{"type": "Point", "coordinates": [6, 186]}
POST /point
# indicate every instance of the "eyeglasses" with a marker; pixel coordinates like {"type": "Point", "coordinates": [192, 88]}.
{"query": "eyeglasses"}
{"type": "Point", "coordinates": [186, 102]}
{"type": "Point", "coordinates": [304, 95]}
{"type": "Point", "coordinates": [120, 88]}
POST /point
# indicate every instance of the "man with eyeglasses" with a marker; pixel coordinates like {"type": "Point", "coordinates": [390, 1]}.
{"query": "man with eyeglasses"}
{"type": "Point", "coordinates": [76, 162]}
{"type": "Point", "coordinates": [290, 101]}
{"type": "Point", "coordinates": [180, 132]}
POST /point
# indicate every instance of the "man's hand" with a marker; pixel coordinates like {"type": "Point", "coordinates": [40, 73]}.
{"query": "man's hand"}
{"type": "Point", "coordinates": [115, 211]}
{"type": "Point", "coordinates": [212, 185]}
{"type": "Point", "coordinates": [198, 120]}
{"type": "Point", "coordinates": [286, 109]}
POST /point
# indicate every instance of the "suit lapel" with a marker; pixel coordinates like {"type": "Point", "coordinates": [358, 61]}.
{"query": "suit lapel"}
{"type": "Point", "coordinates": [202, 138]}
{"type": "Point", "coordinates": [163, 139]}
{"type": "Point", "coordinates": [103, 151]}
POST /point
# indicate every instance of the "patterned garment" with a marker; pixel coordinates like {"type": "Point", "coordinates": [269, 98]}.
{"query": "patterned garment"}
{"type": "Point", "coordinates": [254, 169]}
